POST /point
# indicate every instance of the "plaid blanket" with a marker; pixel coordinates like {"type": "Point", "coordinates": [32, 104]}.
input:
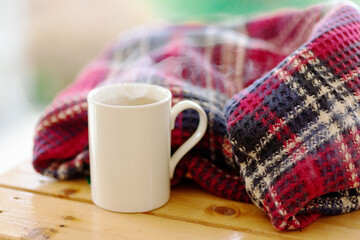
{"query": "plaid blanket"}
{"type": "Point", "coordinates": [281, 95]}
{"type": "Point", "coordinates": [295, 131]}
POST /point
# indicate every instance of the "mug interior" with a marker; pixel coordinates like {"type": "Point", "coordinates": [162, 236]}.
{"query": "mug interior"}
{"type": "Point", "coordinates": [129, 95]}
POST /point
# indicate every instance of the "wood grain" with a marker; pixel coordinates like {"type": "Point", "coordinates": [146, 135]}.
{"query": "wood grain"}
{"type": "Point", "coordinates": [189, 203]}
{"type": "Point", "coordinates": [23, 177]}
{"type": "Point", "coordinates": [31, 216]}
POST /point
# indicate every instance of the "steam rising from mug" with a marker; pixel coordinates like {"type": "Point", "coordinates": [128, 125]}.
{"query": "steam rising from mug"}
{"type": "Point", "coordinates": [145, 58]}
{"type": "Point", "coordinates": [128, 95]}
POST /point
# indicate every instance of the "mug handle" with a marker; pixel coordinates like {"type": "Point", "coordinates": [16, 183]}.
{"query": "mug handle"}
{"type": "Point", "coordinates": [195, 138]}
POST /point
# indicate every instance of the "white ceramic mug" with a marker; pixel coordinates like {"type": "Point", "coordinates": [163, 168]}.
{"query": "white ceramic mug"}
{"type": "Point", "coordinates": [129, 140]}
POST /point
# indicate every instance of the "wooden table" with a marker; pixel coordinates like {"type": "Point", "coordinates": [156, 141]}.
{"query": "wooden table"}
{"type": "Point", "coordinates": [33, 206]}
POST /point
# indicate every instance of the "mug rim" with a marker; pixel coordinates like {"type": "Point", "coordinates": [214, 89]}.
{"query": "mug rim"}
{"type": "Point", "coordinates": [96, 90]}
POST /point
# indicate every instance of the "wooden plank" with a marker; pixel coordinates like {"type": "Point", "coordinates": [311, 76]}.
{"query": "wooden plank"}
{"type": "Point", "coordinates": [25, 215]}
{"type": "Point", "coordinates": [23, 177]}
{"type": "Point", "coordinates": [192, 204]}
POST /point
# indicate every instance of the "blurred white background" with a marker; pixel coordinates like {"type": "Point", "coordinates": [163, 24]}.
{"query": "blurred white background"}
{"type": "Point", "coordinates": [43, 45]}
{"type": "Point", "coordinates": [17, 115]}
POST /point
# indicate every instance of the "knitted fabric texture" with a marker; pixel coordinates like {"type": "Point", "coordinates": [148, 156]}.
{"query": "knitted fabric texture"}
{"type": "Point", "coordinates": [293, 132]}
{"type": "Point", "coordinates": [296, 131]}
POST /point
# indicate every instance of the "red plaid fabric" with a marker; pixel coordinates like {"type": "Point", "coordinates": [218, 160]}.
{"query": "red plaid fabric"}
{"type": "Point", "coordinates": [295, 131]}
{"type": "Point", "coordinates": [288, 83]}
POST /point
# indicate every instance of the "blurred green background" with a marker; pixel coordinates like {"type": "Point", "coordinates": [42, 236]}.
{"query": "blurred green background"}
{"type": "Point", "coordinates": [177, 10]}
